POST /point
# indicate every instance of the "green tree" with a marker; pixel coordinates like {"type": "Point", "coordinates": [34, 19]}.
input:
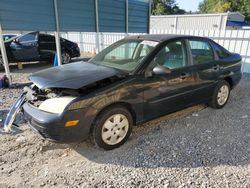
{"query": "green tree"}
{"type": "Point", "coordinates": [214, 6]}
{"type": "Point", "coordinates": [158, 8]}
{"type": "Point", "coordinates": [163, 7]}
{"type": "Point", "coordinates": [218, 6]}
{"type": "Point", "coordinates": [242, 6]}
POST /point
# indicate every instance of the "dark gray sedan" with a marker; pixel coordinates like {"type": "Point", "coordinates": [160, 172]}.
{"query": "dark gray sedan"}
{"type": "Point", "coordinates": [132, 81]}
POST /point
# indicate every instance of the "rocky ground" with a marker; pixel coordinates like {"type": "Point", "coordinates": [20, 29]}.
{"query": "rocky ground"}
{"type": "Point", "coordinates": [196, 147]}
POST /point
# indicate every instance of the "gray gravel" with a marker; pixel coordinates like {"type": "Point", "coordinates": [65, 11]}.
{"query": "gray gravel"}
{"type": "Point", "coordinates": [196, 147]}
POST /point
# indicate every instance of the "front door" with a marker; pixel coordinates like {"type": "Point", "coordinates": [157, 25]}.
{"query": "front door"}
{"type": "Point", "coordinates": [168, 92]}
{"type": "Point", "coordinates": [25, 48]}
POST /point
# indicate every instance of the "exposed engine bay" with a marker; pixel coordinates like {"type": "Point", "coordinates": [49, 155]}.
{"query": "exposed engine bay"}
{"type": "Point", "coordinates": [36, 96]}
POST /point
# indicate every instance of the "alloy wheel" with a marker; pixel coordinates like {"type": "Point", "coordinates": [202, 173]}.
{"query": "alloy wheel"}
{"type": "Point", "coordinates": [65, 58]}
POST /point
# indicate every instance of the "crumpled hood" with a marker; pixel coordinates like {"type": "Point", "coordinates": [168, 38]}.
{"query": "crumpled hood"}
{"type": "Point", "coordinates": [72, 76]}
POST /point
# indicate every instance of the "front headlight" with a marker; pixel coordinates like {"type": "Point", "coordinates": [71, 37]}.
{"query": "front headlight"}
{"type": "Point", "coordinates": [56, 105]}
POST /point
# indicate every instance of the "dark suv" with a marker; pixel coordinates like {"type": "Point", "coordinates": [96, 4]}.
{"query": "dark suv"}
{"type": "Point", "coordinates": [36, 46]}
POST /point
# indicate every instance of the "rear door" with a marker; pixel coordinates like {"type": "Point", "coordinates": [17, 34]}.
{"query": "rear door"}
{"type": "Point", "coordinates": [206, 68]}
{"type": "Point", "coordinates": [168, 92]}
{"type": "Point", "coordinates": [47, 47]}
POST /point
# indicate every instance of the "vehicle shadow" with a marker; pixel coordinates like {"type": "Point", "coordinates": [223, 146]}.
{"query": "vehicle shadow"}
{"type": "Point", "coordinates": [31, 67]}
{"type": "Point", "coordinates": [186, 142]}
{"type": "Point", "coordinates": [19, 85]}
{"type": "Point", "coordinates": [80, 59]}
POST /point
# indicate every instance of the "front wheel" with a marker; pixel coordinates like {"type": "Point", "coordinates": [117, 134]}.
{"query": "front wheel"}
{"type": "Point", "coordinates": [221, 95]}
{"type": "Point", "coordinates": [112, 128]}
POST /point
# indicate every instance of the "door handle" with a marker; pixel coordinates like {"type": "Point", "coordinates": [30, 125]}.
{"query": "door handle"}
{"type": "Point", "coordinates": [184, 75]}
{"type": "Point", "coordinates": [216, 67]}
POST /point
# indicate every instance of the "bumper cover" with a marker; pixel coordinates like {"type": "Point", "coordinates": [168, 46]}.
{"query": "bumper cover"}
{"type": "Point", "coordinates": [51, 126]}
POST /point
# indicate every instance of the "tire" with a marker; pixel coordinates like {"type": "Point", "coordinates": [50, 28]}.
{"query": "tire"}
{"type": "Point", "coordinates": [221, 95]}
{"type": "Point", "coordinates": [1, 64]}
{"type": "Point", "coordinates": [66, 58]}
{"type": "Point", "coordinates": [112, 128]}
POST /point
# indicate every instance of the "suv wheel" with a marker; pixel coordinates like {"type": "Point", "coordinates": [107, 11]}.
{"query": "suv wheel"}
{"type": "Point", "coordinates": [221, 95]}
{"type": "Point", "coordinates": [112, 128]}
{"type": "Point", "coordinates": [65, 57]}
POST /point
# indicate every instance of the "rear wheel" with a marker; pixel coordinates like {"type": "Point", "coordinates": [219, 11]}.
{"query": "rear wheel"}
{"type": "Point", "coordinates": [65, 57]}
{"type": "Point", "coordinates": [221, 95]}
{"type": "Point", "coordinates": [1, 63]}
{"type": "Point", "coordinates": [112, 128]}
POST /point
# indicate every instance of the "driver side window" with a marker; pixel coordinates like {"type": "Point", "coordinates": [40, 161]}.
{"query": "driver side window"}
{"type": "Point", "coordinates": [27, 38]}
{"type": "Point", "coordinates": [172, 56]}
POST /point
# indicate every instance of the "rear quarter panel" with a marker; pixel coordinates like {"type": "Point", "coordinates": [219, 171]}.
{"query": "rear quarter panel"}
{"type": "Point", "coordinates": [231, 68]}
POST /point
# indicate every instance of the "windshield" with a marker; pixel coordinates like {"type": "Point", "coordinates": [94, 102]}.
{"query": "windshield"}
{"type": "Point", "coordinates": [125, 55]}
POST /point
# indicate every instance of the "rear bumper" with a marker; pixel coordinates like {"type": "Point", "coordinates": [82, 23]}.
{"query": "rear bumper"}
{"type": "Point", "coordinates": [51, 126]}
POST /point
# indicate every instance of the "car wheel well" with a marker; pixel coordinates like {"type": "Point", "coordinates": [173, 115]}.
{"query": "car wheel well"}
{"type": "Point", "coordinates": [68, 51]}
{"type": "Point", "coordinates": [230, 81]}
{"type": "Point", "coordinates": [117, 104]}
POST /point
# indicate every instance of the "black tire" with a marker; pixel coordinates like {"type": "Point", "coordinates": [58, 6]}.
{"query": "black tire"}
{"type": "Point", "coordinates": [215, 100]}
{"type": "Point", "coordinates": [1, 64]}
{"type": "Point", "coordinates": [66, 58]}
{"type": "Point", "coordinates": [98, 127]}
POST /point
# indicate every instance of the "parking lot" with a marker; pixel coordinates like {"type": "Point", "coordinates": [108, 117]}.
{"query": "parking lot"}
{"type": "Point", "coordinates": [196, 147]}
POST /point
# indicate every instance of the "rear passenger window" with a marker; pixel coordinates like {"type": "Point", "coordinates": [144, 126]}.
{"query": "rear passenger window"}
{"type": "Point", "coordinates": [221, 52]}
{"type": "Point", "coordinates": [202, 52]}
{"type": "Point", "coordinates": [46, 38]}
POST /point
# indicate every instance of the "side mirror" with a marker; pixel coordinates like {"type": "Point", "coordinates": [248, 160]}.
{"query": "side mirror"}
{"type": "Point", "coordinates": [157, 70]}
{"type": "Point", "coordinates": [16, 40]}
{"type": "Point", "coordinates": [161, 70]}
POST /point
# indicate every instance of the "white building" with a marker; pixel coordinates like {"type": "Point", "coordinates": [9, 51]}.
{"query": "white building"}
{"type": "Point", "coordinates": [230, 20]}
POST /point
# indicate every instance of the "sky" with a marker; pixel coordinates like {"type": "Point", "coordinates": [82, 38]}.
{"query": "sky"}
{"type": "Point", "coordinates": [188, 4]}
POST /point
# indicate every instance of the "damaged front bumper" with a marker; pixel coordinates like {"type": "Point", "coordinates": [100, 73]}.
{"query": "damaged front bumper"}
{"type": "Point", "coordinates": [50, 125]}
{"type": "Point", "coordinates": [16, 107]}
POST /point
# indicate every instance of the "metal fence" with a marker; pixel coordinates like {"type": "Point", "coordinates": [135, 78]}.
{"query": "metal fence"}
{"type": "Point", "coordinates": [92, 42]}
{"type": "Point", "coordinates": [237, 41]}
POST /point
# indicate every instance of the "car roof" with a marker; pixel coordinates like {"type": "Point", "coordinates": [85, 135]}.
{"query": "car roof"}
{"type": "Point", "coordinates": [162, 37]}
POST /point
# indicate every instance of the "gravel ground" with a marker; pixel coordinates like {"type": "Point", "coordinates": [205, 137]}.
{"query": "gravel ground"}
{"type": "Point", "coordinates": [196, 147]}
